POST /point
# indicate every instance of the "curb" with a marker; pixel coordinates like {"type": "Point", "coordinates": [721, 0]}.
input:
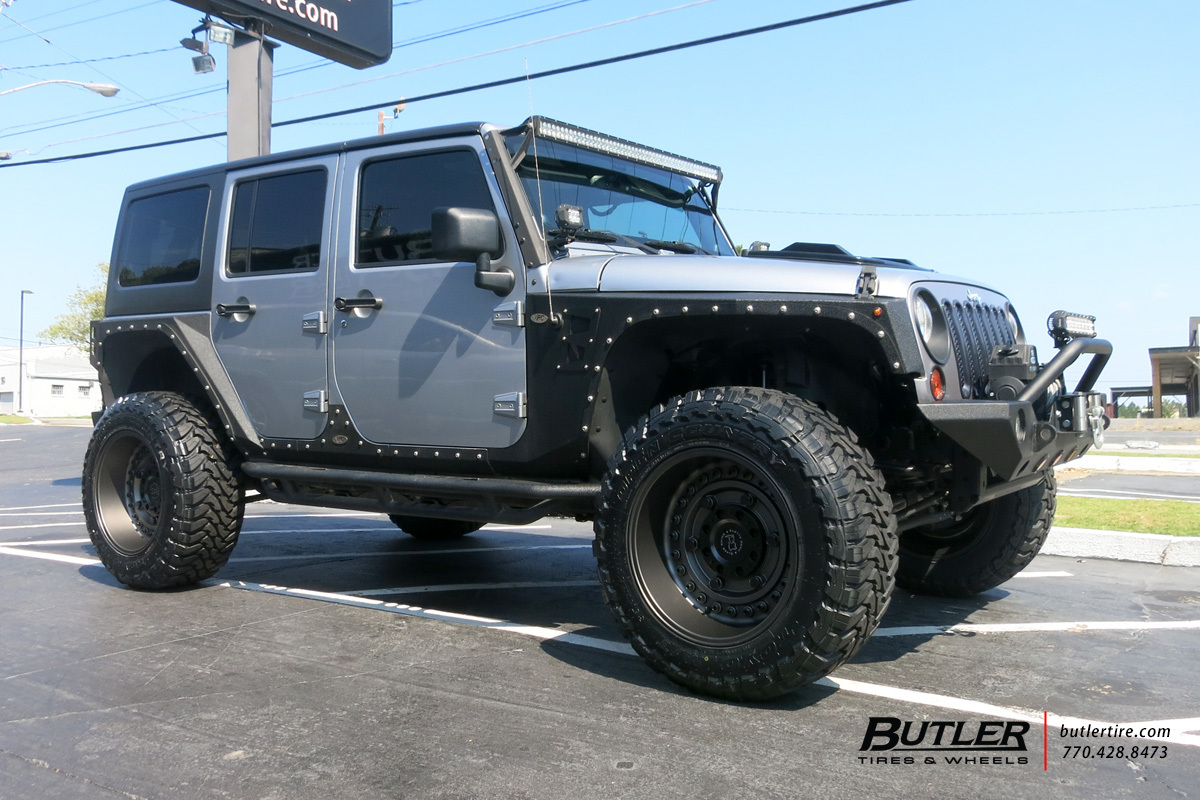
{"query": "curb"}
{"type": "Point", "coordinates": [1175, 466]}
{"type": "Point", "coordinates": [1145, 548]}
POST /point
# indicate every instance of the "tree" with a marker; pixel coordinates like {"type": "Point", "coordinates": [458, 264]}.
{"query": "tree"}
{"type": "Point", "coordinates": [74, 326]}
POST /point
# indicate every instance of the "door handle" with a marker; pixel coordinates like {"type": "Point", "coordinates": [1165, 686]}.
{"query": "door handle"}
{"type": "Point", "coordinates": [351, 303]}
{"type": "Point", "coordinates": [229, 309]}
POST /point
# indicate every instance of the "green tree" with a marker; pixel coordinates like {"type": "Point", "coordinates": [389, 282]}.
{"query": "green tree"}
{"type": "Point", "coordinates": [74, 326]}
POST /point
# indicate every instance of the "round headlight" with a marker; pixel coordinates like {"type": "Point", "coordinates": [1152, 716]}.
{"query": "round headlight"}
{"type": "Point", "coordinates": [924, 319]}
{"type": "Point", "coordinates": [931, 325]}
{"type": "Point", "coordinates": [1010, 315]}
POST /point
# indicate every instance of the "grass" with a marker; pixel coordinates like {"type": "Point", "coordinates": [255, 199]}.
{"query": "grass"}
{"type": "Point", "coordinates": [1173, 517]}
{"type": "Point", "coordinates": [13, 419]}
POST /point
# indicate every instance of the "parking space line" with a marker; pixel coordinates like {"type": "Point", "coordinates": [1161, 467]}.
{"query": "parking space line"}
{"type": "Point", "coordinates": [1041, 627]}
{"type": "Point", "coordinates": [41, 513]}
{"type": "Point", "coordinates": [9, 551]}
{"type": "Point", "coordinates": [39, 525]}
{"type": "Point", "coordinates": [1048, 574]}
{"type": "Point", "coordinates": [38, 542]}
{"type": "Point", "coordinates": [51, 505]}
{"type": "Point", "coordinates": [391, 553]}
{"type": "Point", "coordinates": [1122, 494]}
{"type": "Point", "coordinates": [535, 631]}
{"type": "Point", "coordinates": [466, 587]}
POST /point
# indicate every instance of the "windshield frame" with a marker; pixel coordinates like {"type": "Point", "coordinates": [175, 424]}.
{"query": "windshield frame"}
{"type": "Point", "coordinates": [634, 178]}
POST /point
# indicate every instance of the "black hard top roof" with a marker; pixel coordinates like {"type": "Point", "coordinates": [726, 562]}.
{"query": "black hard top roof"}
{"type": "Point", "coordinates": [418, 135]}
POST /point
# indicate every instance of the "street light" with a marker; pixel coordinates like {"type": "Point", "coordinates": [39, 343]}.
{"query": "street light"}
{"type": "Point", "coordinates": [21, 357]}
{"type": "Point", "coordinates": [104, 89]}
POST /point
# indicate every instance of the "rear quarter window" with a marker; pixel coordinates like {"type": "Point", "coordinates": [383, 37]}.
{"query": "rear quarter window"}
{"type": "Point", "coordinates": [162, 237]}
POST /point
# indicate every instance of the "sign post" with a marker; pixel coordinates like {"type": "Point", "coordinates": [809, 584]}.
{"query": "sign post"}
{"type": "Point", "coordinates": [357, 33]}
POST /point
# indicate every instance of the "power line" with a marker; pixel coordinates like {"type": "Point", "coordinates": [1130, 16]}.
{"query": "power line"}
{"type": "Point", "coordinates": [723, 37]}
{"type": "Point", "coordinates": [410, 71]}
{"type": "Point", "coordinates": [962, 214]}
{"type": "Point", "coordinates": [39, 34]}
{"type": "Point", "coordinates": [91, 60]}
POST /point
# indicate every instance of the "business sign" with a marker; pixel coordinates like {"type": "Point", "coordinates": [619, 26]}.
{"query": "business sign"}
{"type": "Point", "coordinates": [357, 33]}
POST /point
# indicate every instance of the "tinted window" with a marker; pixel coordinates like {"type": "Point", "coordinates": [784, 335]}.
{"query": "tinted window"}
{"type": "Point", "coordinates": [398, 196]}
{"type": "Point", "coordinates": [161, 238]}
{"type": "Point", "coordinates": [276, 223]}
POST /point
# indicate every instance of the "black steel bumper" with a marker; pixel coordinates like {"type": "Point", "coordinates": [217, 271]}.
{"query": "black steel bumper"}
{"type": "Point", "coordinates": [1010, 438]}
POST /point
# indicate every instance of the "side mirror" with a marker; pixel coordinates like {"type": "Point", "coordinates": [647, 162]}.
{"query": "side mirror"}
{"type": "Point", "coordinates": [472, 234]}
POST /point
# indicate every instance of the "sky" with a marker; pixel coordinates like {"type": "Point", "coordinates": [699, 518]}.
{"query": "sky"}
{"type": "Point", "coordinates": [1045, 148]}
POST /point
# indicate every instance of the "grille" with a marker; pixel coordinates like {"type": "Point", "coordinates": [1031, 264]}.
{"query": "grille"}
{"type": "Point", "coordinates": [974, 330]}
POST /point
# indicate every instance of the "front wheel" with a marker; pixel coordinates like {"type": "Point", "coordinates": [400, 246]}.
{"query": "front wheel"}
{"type": "Point", "coordinates": [745, 542]}
{"type": "Point", "coordinates": [160, 499]}
{"type": "Point", "coordinates": [983, 548]}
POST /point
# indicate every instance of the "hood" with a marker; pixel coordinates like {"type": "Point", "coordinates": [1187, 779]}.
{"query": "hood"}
{"type": "Point", "coordinates": [684, 273]}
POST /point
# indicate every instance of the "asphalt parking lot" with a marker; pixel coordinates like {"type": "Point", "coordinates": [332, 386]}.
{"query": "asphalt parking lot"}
{"type": "Point", "coordinates": [335, 657]}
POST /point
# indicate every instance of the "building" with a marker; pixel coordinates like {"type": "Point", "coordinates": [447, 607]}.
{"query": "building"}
{"type": "Point", "coordinates": [1176, 371]}
{"type": "Point", "coordinates": [59, 382]}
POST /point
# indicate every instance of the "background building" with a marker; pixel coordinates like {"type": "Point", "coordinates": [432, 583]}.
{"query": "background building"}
{"type": "Point", "coordinates": [59, 382]}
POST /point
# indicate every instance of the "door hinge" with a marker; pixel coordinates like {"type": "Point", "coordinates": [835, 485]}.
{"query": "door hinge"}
{"type": "Point", "coordinates": [509, 315]}
{"type": "Point", "coordinates": [316, 322]}
{"type": "Point", "coordinates": [316, 400]}
{"type": "Point", "coordinates": [511, 404]}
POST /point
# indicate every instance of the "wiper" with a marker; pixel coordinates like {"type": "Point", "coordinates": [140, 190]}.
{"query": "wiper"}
{"type": "Point", "coordinates": [676, 247]}
{"type": "Point", "coordinates": [611, 237]}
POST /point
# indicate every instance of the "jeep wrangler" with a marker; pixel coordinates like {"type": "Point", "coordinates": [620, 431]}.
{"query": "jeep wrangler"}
{"type": "Point", "coordinates": [467, 324]}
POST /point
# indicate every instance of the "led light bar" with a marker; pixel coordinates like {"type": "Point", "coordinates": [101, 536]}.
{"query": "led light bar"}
{"type": "Point", "coordinates": [555, 131]}
{"type": "Point", "coordinates": [1065, 325]}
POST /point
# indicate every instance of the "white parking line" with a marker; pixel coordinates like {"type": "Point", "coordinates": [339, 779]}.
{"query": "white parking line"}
{"type": "Point", "coordinates": [51, 505]}
{"type": "Point", "coordinates": [1042, 627]}
{"type": "Point", "coordinates": [393, 553]}
{"type": "Point", "coordinates": [8, 551]}
{"type": "Point", "coordinates": [39, 542]}
{"type": "Point", "coordinates": [1119, 494]}
{"type": "Point", "coordinates": [40, 525]}
{"type": "Point", "coordinates": [1048, 574]}
{"type": "Point", "coordinates": [465, 587]}
{"type": "Point", "coordinates": [41, 513]}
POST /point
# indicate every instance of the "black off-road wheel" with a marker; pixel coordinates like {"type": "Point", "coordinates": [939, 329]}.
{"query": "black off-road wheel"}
{"type": "Point", "coordinates": [434, 530]}
{"type": "Point", "coordinates": [745, 542]}
{"type": "Point", "coordinates": [981, 550]}
{"type": "Point", "coordinates": [160, 499]}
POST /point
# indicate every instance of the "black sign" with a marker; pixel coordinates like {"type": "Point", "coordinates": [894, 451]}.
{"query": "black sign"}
{"type": "Point", "coordinates": [357, 33]}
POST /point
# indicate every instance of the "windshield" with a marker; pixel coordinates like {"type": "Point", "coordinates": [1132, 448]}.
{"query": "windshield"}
{"type": "Point", "coordinates": [634, 201]}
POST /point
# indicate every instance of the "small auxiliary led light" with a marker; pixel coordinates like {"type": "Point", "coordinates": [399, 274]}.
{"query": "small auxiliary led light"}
{"type": "Point", "coordinates": [568, 217]}
{"type": "Point", "coordinates": [556, 131]}
{"type": "Point", "coordinates": [937, 383]}
{"type": "Point", "coordinates": [1064, 326]}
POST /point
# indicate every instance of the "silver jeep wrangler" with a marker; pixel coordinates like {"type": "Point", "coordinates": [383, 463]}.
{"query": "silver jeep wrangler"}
{"type": "Point", "coordinates": [467, 324]}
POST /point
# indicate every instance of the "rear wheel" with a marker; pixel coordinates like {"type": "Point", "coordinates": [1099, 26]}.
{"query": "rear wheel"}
{"type": "Point", "coordinates": [160, 499]}
{"type": "Point", "coordinates": [982, 549]}
{"type": "Point", "coordinates": [434, 530]}
{"type": "Point", "coordinates": [745, 542]}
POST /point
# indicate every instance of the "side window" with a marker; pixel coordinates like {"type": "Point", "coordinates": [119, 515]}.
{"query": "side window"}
{"type": "Point", "coordinates": [161, 238]}
{"type": "Point", "coordinates": [277, 223]}
{"type": "Point", "coordinates": [397, 197]}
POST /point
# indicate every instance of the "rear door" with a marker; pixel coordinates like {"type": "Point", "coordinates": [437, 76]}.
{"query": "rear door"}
{"type": "Point", "coordinates": [437, 361]}
{"type": "Point", "coordinates": [270, 294]}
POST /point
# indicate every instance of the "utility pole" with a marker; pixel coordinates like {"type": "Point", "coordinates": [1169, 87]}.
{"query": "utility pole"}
{"type": "Point", "coordinates": [21, 357]}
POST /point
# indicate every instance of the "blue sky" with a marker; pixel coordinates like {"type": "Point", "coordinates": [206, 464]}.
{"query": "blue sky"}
{"type": "Point", "coordinates": [956, 133]}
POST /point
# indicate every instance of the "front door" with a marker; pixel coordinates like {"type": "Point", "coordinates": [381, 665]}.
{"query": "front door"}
{"type": "Point", "coordinates": [420, 355]}
{"type": "Point", "coordinates": [270, 294]}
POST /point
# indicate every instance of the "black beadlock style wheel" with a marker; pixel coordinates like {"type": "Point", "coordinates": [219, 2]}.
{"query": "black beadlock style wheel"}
{"type": "Point", "coordinates": [745, 542]}
{"type": "Point", "coordinates": [981, 550]}
{"type": "Point", "coordinates": [432, 529]}
{"type": "Point", "coordinates": [160, 499]}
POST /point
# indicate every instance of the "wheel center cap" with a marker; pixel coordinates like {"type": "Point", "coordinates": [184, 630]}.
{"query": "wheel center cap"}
{"type": "Point", "coordinates": [729, 542]}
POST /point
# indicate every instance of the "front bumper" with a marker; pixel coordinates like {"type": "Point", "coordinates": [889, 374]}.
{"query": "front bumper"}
{"type": "Point", "coordinates": [1010, 438]}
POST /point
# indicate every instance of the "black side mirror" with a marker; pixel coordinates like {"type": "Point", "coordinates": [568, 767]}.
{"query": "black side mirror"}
{"type": "Point", "coordinates": [472, 234]}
